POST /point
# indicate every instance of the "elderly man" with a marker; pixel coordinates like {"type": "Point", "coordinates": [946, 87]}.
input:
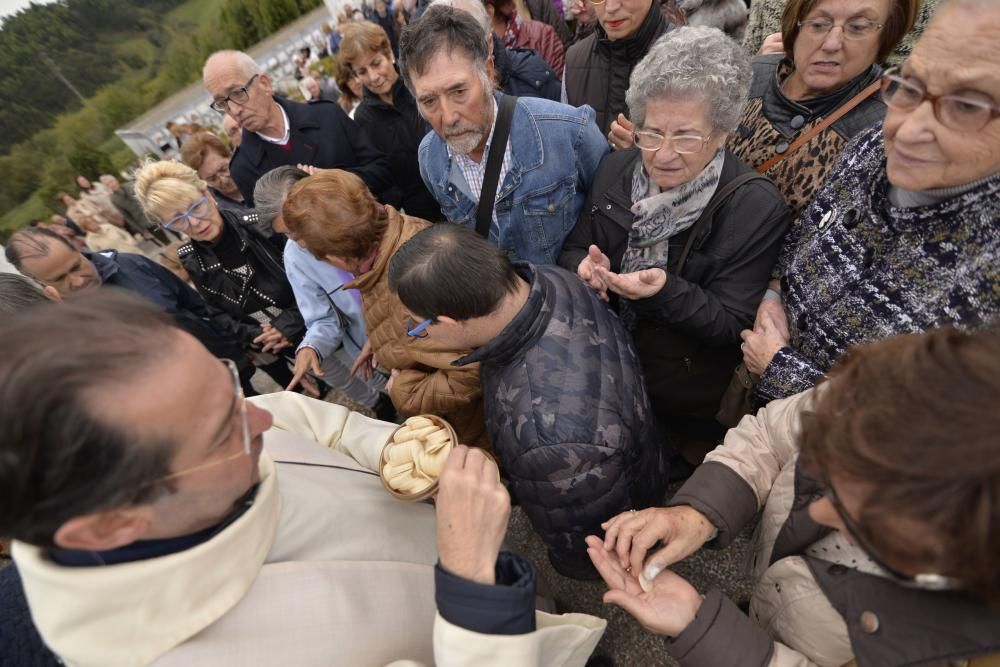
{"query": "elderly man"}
{"type": "Point", "coordinates": [56, 263]}
{"type": "Point", "coordinates": [598, 67]}
{"type": "Point", "coordinates": [166, 518]}
{"type": "Point", "coordinates": [277, 131]}
{"type": "Point", "coordinates": [549, 159]}
{"type": "Point", "coordinates": [566, 406]}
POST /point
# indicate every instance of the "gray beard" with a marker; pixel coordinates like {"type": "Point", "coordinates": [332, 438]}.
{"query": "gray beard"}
{"type": "Point", "coordinates": [466, 144]}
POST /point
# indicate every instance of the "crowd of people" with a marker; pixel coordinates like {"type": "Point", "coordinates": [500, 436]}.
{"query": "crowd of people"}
{"type": "Point", "coordinates": [612, 258]}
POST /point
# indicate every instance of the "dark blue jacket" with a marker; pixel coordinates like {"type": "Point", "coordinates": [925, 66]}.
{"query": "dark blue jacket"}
{"type": "Point", "coordinates": [522, 73]}
{"type": "Point", "coordinates": [321, 135]}
{"type": "Point", "coordinates": [144, 276]}
{"type": "Point", "coordinates": [567, 412]}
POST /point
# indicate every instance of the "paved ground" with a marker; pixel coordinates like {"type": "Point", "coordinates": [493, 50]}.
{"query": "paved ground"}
{"type": "Point", "coordinates": [626, 642]}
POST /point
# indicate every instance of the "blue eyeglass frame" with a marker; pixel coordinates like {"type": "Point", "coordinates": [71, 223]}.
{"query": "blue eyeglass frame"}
{"type": "Point", "coordinates": [419, 330]}
{"type": "Point", "coordinates": [173, 223]}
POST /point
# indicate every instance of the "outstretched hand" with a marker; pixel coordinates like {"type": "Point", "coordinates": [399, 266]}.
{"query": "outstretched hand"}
{"type": "Point", "coordinates": [635, 285]}
{"type": "Point", "coordinates": [630, 535]}
{"type": "Point", "coordinates": [667, 609]}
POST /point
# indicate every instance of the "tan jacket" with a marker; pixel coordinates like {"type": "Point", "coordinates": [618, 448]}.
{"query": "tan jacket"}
{"type": "Point", "coordinates": [799, 589]}
{"type": "Point", "coordinates": [324, 569]}
{"type": "Point", "coordinates": [428, 383]}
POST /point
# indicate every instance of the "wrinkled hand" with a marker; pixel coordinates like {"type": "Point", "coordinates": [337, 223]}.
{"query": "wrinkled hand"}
{"type": "Point", "coordinates": [271, 340]}
{"type": "Point", "coordinates": [306, 361]}
{"type": "Point", "coordinates": [588, 267]}
{"type": "Point", "coordinates": [620, 136]}
{"type": "Point", "coordinates": [365, 362]}
{"type": "Point", "coordinates": [769, 334]}
{"type": "Point", "coordinates": [683, 530]}
{"type": "Point", "coordinates": [635, 285]}
{"type": "Point", "coordinates": [472, 512]}
{"type": "Point", "coordinates": [666, 610]}
{"type": "Point", "coordinates": [393, 374]}
{"type": "Point", "coordinates": [309, 169]}
{"type": "Point", "coordinates": [772, 44]}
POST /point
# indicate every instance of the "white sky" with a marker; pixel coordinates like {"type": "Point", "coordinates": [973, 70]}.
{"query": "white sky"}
{"type": "Point", "coordinates": [8, 7]}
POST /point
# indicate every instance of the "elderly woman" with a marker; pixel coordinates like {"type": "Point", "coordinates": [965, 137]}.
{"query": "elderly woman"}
{"type": "Point", "coordinates": [831, 51]}
{"type": "Point", "coordinates": [237, 270]}
{"type": "Point", "coordinates": [880, 526]}
{"type": "Point", "coordinates": [334, 216]}
{"type": "Point", "coordinates": [207, 154]}
{"type": "Point", "coordinates": [675, 229]}
{"type": "Point", "coordinates": [903, 236]}
{"type": "Point", "coordinates": [389, 114]}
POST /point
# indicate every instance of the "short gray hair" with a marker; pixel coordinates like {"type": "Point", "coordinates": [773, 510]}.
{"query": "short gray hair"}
{"type": "Point", "coordinates": [17, 293]}
{"type": "Point", "coordinates": [474, 7]}
{"type": "Point", "coordinates": [693, 61]}
{"type": "Point", "coordinates": [247, 65]}
{"type": "Point", "coordinates": [270, 192]}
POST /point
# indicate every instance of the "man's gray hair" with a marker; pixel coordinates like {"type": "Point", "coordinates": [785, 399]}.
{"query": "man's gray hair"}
{"type": "Point", "coordinates": [441, 28]}
{"type": "Point", "coordinates": [270, 192]}
{"type": "Point", "coordinates": [474, 7]}
{"type": "Point", "coordinates": [243, 61]}
{"type": "Point", "coordinates": [17, 293]}
{"type": "Point", "coordinates": [693, 62]}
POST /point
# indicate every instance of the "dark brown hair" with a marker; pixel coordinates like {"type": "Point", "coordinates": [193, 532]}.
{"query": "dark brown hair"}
{"type": "Point", "coordinates": [194, 150]}
{"type": "Point", "coordinates": [902, 16]}
{"type": "Point", "coordinates": [58, 460]}
{"type": "Point", "coordinates": [917, 419]}
{"type": "Point", "coordinates": [333, 213]}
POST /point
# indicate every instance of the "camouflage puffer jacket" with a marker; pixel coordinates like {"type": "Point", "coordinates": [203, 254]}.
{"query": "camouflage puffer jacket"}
{"type": "Point", "coordinates": [568, 416]}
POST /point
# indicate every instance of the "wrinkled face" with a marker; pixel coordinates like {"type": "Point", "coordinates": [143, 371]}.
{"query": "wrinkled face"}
{"type": "Point", "coordinates": [376, 73]}
{"type": "Point", "coordinates": [622, 18]}
{"type": "Point", "coordinates": [453, 97]}
{"type": "Point", "coordinates": [192, 401]}
{"type": "Point", "coordinates": [64, 269]}
{"type": "Point", "coordinates": [666, 167]}
{"type": "Point", "coordinates": [203, 222]}
{"type": "Point", "coordinates": [214, 170]}
{"type": "Point", "coordinates": [957, 55]}
{"type": "Point", "coordinates": [224, 78]}
{"type": "Point", "coordinates": [825, 63]}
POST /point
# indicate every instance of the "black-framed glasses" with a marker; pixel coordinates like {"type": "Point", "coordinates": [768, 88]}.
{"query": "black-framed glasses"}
{"type": "Point", "coordinates": [925, 581]}
{"type": "Point", "coordinates": [199, 209]}
{"type": "Point", "coordinates": [683, 144]}
{"type": "Point", "coordinates": [857, 28]}
{"type": "Point", "coordinates": [239, 97]}
{"type": "Point", "coordinates": [964, 113]}
{"type": "Point", "coordinates": [418, 331]}
{"type": "Point", "coordinates": [241, 401]}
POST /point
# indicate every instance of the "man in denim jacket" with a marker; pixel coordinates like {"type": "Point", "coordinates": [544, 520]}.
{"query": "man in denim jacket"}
{"type": "Point", "coordinates": [551, 155]}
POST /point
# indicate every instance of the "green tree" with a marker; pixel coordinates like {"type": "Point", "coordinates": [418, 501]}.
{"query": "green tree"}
{"type": "Point", "coordinates": [89, 161]}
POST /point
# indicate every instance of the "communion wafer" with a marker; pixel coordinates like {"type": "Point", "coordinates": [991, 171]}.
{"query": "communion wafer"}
{"type": "Point", "coordinates": [415, 455]}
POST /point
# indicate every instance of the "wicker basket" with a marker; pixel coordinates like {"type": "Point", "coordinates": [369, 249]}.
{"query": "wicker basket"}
{"type": "Point", "coordinates": [431, 490]}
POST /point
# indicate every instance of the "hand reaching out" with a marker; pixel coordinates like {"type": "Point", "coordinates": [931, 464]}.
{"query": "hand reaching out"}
{"type": "Point", "coordinates": [620, 136]}
{"type": "Point", "coordinates": [635, 285]}
{"type": "Point", "coordinates": [588, 268]}
{"type": "Point", "coordinates": [683, 530]}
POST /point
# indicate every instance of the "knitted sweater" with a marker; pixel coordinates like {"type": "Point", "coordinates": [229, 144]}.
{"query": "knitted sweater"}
{"type": "Point", "coordinates": [856, 268]}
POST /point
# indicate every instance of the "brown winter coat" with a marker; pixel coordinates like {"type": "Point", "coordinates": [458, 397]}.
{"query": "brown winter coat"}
{"type": "Point", "coordinates": [427, 383]}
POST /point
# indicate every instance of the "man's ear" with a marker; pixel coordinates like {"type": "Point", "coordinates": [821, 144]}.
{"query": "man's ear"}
{"type": "Point", "coordinates": [446, 319]}
{"type": "Point", "coordinates": [268, 85]}
{"type": "Point", "coordinates": [105, 530]}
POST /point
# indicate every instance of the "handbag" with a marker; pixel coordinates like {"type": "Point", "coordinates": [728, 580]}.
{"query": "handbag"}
{"type": "Point", "coordinates": [491, 177]}
{"type": "Point", "coordinates": [737, 399]}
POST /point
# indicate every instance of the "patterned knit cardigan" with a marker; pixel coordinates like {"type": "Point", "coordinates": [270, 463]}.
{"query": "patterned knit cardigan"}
{"type": "Point", "coordinates": [855, 268]}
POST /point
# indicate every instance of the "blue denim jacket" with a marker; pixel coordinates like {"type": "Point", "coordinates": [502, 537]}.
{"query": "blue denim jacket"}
{"type": "Point", "coordinates": [555, 150]}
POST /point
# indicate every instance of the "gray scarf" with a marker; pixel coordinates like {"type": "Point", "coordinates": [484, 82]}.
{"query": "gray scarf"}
{"type": "Point", "coordinates": [661, 215]}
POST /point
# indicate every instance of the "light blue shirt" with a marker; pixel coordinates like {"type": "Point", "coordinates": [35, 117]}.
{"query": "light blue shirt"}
{"type": "Point", "coordinates": [333, 316]}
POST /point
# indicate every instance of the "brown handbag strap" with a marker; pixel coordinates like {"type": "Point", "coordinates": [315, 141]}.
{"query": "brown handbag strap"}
{"type": "Point", "coordinates": [816, 129]}
{"type": "Point", "coordinates": [988, 660]}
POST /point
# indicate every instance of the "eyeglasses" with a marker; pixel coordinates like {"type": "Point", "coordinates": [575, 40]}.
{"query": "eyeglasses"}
{"type": "Point", "coordinates": [853, 29]}
{"type": "Point", "coordinates": [965, 113]}
{"type": "Point", "coordinates": [683, 144]}
{"type": "Point", "coordinates": [218, 175]}
{"type": "Point", "coordinates": [244, 424]}
{"type": "Point", "coordinates": [925, 581]}
{"type": "Point", "coordinates": [419, 330]}
{"type": "Point", "coordinates": [239, 97]}
{"type": "Point", "coordinates": [199, 209]}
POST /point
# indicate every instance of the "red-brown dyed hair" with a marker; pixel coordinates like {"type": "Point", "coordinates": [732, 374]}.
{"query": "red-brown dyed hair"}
{"type": "Point", "coordinates": [902, 16]}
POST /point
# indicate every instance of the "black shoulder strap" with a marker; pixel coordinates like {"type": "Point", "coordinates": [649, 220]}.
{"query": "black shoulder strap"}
{"type": "Point", "coordinates": [498, 148]}
{"type": "Point", "coordinates": [718, 199]}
